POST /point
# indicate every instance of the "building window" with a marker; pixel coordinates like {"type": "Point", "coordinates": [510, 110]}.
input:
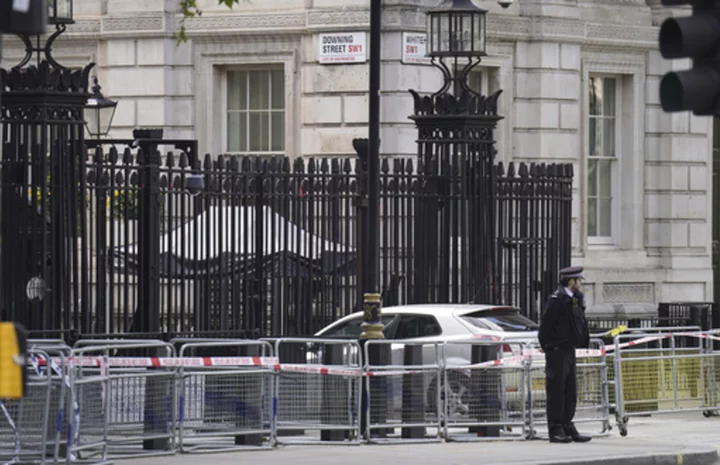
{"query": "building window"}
{"type": "Point", "coordinates": [478, 82]}
{"type": "Point", "coordinates": [255, 112]}
{"type": "Point", "coordinates": [602, 156]}
{"type": "Point", "coordinates": [484, 80]}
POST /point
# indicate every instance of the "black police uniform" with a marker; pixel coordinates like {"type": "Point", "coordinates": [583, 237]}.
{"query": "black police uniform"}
{"type": "Point", "coordinates": [563, 328]}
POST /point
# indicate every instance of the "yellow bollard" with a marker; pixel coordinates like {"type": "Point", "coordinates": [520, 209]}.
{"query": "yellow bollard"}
{"type": "Point", "coordinates": [372, 325]}
{"type": "Point", "coordinates": [13, 346]}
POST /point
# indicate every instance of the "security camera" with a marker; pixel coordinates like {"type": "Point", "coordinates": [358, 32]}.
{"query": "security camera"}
{"type": "Point", "coordinates": [505, 3]}
{"type": "Point", "coordinates": [194, 184]}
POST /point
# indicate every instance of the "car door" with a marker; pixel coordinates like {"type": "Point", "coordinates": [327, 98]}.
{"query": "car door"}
{"type": "Point", "coordinates": [416, 328]}
{"type": "Point", "coordinates": [411, 328]}
{"type": "Point", "coordinates": [351, 330]}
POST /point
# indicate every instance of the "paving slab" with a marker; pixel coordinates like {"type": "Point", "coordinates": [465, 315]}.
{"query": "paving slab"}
{"type": "Point", "coordinates": [675, 439]}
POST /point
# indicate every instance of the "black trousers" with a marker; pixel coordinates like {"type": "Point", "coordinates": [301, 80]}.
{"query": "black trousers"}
{"type": "Point", "coordinates": [560, 388]}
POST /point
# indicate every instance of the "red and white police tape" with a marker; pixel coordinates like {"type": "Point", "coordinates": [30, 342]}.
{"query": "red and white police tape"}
{"type": "Point", "coordinates": [273, 362]}
{"type": "Point", "coordinates": [584, 353]}
{"type": "Point", "coordinates": [173, 362]}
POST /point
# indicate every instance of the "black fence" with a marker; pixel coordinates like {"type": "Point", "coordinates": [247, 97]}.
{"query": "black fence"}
{"type": "Point", "coordinates": [272, 246]}
{"type": "Point", "coordinates": [688, 314]}
{"type": "Point", "coordinates": [669, 314]}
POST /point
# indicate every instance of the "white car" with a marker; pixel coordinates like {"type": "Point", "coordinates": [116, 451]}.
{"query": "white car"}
{"type": "Point", "coordinates": [441, 323]}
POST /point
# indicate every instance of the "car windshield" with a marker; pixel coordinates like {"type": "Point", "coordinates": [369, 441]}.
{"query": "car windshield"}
{"type": "Point", "coordinates": [352, 329]}
{"type": "Point", "coordinates": [501, 320]}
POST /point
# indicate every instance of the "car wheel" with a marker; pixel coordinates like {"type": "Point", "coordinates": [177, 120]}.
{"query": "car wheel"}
{"type": "Point", "coordinates": [457, 396]}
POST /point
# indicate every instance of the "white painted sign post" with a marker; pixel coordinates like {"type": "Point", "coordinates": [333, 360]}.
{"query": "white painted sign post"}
{"type": "Point", "coordinates": [342, 47]}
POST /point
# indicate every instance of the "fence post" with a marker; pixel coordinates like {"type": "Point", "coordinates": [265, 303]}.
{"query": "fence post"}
{"type": "Point", "coordinates": [485, 391]}
{"type": "Point", "coordinates": [292, 354]}
{"type": "Point", "coordinates": [699, 316]}
{"type": "Point", "coordinates": [413, 394]}
{"type": "Point", "coordinates": [663, 314]}
{"type": "Point", "coordinates": [664, 320]}
{"type": "Point", "coordinates": [149, 232]}
{"type": "Point", "coordinates": [251, 396]}
{"type": "Point", "coordinates": [155, 416]}
{"type": "Point", "coordinates": [255, 315]}
{"type": "Point", "coordinates": [102, 324]}
{"type": "Point", "coordinates": [715, 320]}
{"type": "Point", "coordinates": [361, 206]}
{"type": "Point", "coordinates": [332, 354]}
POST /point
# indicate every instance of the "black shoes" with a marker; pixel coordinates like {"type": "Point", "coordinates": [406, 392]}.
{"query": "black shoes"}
{"type": "Point", "coordinates": [581, 438]}
{"type": "Point", "coordinates": [568, 435]}
{"type": "Point", "coordinates": [560, 437]}
{"type": "Point", "coordinates": [571, 431]}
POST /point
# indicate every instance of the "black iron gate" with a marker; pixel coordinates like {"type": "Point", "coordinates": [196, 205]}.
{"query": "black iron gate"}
{"type": "Point", "coordinates": [44, 212]}
{"type": "Point", "coordinates": [270, 246]}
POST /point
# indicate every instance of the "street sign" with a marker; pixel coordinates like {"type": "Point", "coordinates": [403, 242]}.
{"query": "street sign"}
{"type": "Point", "coordinates": [414, 48]}
{"type": "Point", "coordinates": [343, 47]}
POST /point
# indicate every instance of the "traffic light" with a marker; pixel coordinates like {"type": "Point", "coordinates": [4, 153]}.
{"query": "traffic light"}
{"type": "Point", "coordinates": [25, 17]}
{"type": "Point", "coordinates": [13, 353]}
{"type": "Point", "coordinates": [696, 37]}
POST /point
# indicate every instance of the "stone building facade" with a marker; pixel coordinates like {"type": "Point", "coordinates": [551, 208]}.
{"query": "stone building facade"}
{"type": "Point", "coordinates": [580, 81]}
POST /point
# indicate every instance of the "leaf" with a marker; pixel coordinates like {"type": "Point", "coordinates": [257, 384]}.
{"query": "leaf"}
{"type": "Point", "coordinates": [190, 10]}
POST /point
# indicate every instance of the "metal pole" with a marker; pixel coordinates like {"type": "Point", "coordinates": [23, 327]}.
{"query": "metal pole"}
{"type": "Point", "coordinates": [373, 224]}
{"type": "Point", "coordinates": [2, 287]}
{"type": "Point", "coordinates": [1, 46]}
{"type": "Point", "coordinates": [3, 314]}
{"type": "Point", "coordinates": [378, 354]}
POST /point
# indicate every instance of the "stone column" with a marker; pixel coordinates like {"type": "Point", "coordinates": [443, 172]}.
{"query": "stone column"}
{"type": "Point", "coordinates": [145, 69]}
{"type": "Point", "coordinates": [547, 109]}
{"type": "Point", "coordinates": [678, 176]}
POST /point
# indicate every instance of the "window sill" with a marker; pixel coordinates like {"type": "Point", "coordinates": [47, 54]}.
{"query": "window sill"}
{"type": "Point", "coordinates": [602, 246]}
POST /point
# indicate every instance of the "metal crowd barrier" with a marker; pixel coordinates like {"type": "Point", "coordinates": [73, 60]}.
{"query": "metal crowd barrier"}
{"type": "Point", "coordinates": [55, 360]}
{"type": "Point", "coordinates": [404, 393]}
{"type": "Point", "coordinates": [318, 397]}
{"type": "Point", "coordinates": [592, 390]}
{"type": "Point", "coordinates": [123, 397]}
{"type": "Point", "coordinates": [484, 390]}
{"type": "Point", "coordinates": [225, 396]}
{"type": "Point", "coordinates": [24, 423]}
{"type": "Point", "coordinates": [111, 399]}
{"type": "Point", "coordinates": [665, 373]}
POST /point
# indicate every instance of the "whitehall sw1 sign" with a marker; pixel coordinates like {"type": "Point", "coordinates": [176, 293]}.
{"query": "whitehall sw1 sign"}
{"type": "Point", "coordinates": [343, 47]}
{"type": "Point", "coordinates": [414, 48]}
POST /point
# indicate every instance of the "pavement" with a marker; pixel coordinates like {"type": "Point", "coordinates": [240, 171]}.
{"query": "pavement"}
{"type": "Point", "coordinates": [669, 439]}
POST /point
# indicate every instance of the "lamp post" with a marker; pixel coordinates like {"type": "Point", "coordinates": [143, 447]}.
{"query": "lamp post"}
{"type": "Point", "coordinates": [372, 327]}
{"type": "Point", "coordinates": [456, 145]}
{"type": "Point", "coordinates": [59, 14]}
{"type": "Point", "coordinates": [369, 153]}
{"type": "Point", "coordinates": [455, 130]}
{"type": "Point", "coordinates": [456, 29]}
{"type": "Point", "coordinates": [99, 112]}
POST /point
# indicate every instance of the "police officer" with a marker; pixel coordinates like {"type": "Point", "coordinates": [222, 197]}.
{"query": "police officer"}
{"type": "Point", "coordinates": [563, 328]}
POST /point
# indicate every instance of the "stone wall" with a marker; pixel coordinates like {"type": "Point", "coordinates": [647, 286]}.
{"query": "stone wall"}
{"type": "Point", "coordinates": [540, 52]}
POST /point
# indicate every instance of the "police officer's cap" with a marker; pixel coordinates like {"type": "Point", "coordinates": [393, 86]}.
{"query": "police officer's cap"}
{"type": "Point", "coordinates": [572, 272]}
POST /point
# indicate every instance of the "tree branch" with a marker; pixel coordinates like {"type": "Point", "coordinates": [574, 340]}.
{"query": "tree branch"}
{"type": "Point", "coordinates": [190, 10]}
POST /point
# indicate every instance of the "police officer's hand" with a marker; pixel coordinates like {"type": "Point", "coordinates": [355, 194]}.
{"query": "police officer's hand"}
{"type": "Point", "coordinates": [581, 299]}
